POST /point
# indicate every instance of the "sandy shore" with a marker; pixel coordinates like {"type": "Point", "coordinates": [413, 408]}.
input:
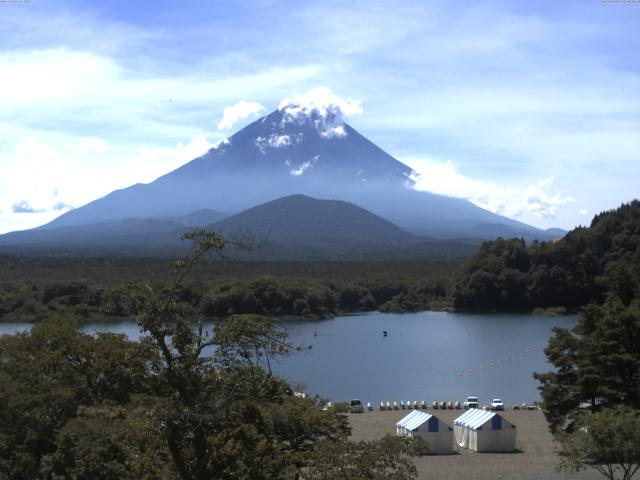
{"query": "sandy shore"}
{"type": "Point", "coordinates": [535, 458]}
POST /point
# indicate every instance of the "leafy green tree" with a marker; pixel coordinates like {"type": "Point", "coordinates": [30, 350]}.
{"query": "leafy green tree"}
{"type": "Point", "coordinates": [47, 374]}
{"type": "Point", "coordinates": [389, 458]}
{"type": "Point", "coordinates": [607, 441]}
{"type": "Point", "coordinates": [107, 442]}
{"type": "Point", "coordinates": [494, 278]}
{"type": "Point", "coordinates": [222, 410]}
{"type": "Point", "coordinates": [582, 267]}
{"type": "Point", "coordinates": [597, 363]}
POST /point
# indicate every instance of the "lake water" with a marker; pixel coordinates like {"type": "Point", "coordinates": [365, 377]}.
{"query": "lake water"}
{"type": "Point", "coordinates": [426, 356]}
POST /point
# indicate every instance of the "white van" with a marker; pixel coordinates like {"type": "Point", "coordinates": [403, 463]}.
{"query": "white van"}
{"type": "Point", "coordinates": [357, 406]}
{"type": "Point", "coordinates": [472, 402]}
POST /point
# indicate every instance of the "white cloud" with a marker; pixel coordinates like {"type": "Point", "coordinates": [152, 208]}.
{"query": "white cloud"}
{"type": "Point", "coordinates": [46, 179]}
{"type": "Point", "coordinates": [43, 77]}
{"type": "Point", "coordinates": [92, 93]}
{"type": "Point", "coordinates": [31, 148]}
{"type": "Point", "coordinates": [23, 207]}
{"type": "Point", "coordinates": [303, 167]}
{"type": "Point", "coordinates": [583, 211]}
{"type": "Point", "coordinates": [328, 111]}
{"type": "Point", "coordinates": [59, 206]}
{"type": "Point", "coordinates": [441, 177]}
{"type": "Point", "coordinates": [277, 141]}
{"type": "Point", "coordinates": [90, 145]}
{"type": "Point", "coordinates": [300, 169]}
{"type": "Point", "coordinates": [220, 144]}
{"type": "Point", "coordinates": [238, 111]}
{"type": "Point", "coordinates": [321, 100]}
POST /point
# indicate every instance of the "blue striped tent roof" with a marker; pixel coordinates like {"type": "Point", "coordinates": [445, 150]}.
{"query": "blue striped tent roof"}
{"type": "Point", "coordinates": [474, 418]}
{"type": "Point", "coordinates": [414, 420]}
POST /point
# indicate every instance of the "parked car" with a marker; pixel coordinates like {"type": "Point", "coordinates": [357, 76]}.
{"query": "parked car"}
{"type": "Point", "coordinates": [497, 404]}
{"type": "Point", "coordinates": [357, 406]}
{"type": "Point", "coordinates": [471, 402]}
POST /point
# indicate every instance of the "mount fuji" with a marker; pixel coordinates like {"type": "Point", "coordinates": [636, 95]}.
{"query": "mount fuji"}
{"type": "Point", "coordinates": [297, 151]}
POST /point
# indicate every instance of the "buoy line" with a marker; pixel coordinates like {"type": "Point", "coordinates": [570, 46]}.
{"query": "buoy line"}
{"type": "Point", "coordinates": [498, 362]}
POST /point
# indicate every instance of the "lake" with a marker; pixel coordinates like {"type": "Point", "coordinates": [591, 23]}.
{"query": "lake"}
{"type": "Point", "coordinates": [426, 356]}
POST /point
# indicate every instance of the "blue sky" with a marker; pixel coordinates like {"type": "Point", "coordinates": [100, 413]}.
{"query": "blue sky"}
{"type": "Point", "coordinates": [530, 109]}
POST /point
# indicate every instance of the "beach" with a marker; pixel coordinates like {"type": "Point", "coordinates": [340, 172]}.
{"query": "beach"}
{"type": "Point", "coordinates": [535, 458]}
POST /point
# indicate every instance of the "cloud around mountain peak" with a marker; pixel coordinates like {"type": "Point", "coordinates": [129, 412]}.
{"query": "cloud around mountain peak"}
{"type": "Point", "coordinates": [238, 111]}
{"type": "Point", "coordinates": [325, 109]}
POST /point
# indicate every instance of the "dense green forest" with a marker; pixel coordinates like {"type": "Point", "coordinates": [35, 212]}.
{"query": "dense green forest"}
{"type": "Point", "coordinates": [33, 288]}
{"type": "Point", "coordinates": [583, 267]}
{"type": "Point", "coordinates": [591, 398]}
{"type": "Point", "coordinates": [503, 275]}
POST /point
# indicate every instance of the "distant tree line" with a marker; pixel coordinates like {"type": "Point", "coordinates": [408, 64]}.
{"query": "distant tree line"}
{"type": "Point", "coordinates": [274, 290]}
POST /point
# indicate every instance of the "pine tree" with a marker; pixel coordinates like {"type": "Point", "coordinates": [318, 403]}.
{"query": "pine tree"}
{"type": "Point", "coordinates": [597, 363]}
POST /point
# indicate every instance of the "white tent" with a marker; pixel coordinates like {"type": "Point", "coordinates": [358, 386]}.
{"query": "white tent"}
{"type": "Point", "coordinates": [484, 431]}
{"type": "Point", "coordinates": [438, 435]}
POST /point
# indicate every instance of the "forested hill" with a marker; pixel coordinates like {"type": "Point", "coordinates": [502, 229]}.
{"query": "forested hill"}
{"type": "Point", "coordinates": [582, 267]}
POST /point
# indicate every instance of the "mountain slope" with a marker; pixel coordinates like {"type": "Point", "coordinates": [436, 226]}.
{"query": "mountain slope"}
{"type": "Point", "coordinates": [302, 220]}
{"type": "Point", "coordinates": [293, 150]}
{"type": "Point", "coordinates": [298, 227]}
{"type": "Point", "coordinates": [292, 228]}
{"type": "Point", "coordinates": [132, 234]}
{"type": "Point", "coordinates": [270, 158]}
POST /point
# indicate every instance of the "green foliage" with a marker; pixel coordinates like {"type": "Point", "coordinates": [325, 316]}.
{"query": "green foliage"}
{"type": "Point", "coordinates": [223, 415]}
{"type": "Point", "coordinates": [572, 272]}
{"type": "Point", "coordinates": [385, 459]}
{"type": "Point", "coordinates": [423, 295]}
{"type": "Point", "coordinates": [597, 362]}
{"type": "Point", "coordinates": [108, 442]}
{"type": "Point", "coordinates": [181, 403]}
{"type": "Point", "coordinates": [47, 374]}
{"type": "Point", "coordinates": [288, 297]}
{"type": "Point", "coordinates": [33, 288]}
{"type": "Point", "coordinates": [495, 277]}
{"type": "Point", "coordinates": [607, 441]}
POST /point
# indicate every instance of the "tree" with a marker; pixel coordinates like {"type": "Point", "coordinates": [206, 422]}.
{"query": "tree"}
{"type": "Point", "coordinates": [48, 374]}
{"type": "Point", "coordinates": [582, 267]}
{"type": "Point", "coordinates": [607, 441]}
{"type": "Point", "coordinates": [107, 442]}
{"type": "Point", "coordinates": [222, 413]}
{"type": "Point", "coordinates": [495, 277]}
{"type": "Point", "coordinates": [597, 363]}
{"type": "Point", "coordinates": [186, 401]}
{"type": "Point", "coordinates": [385, 459]}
